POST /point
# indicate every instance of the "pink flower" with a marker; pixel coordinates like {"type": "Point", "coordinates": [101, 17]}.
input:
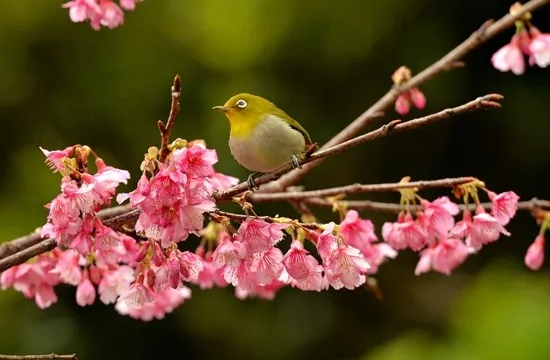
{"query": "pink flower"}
{"type": "Point", "coordinates": [136, 296]}
{"type": "Point", "coordinates": [115, 283]}
{"type": "Point", "coordinates": [222, 182]}
{"type": "Point", "coordinates": [345, 267]}
{"type": "Point", "coordinates": [234, 259]}
{"type": "Point", "coordinates": [439, 215]}
{"type": "Point", "coordinates": [267, 266]}
{"type": "Point", "coordinates": [196, 160]}
{"type": "Point", "coordinates": [327, 242]}
{"type": "Point", "coordinates": [303, 270]}
{"type": "Point", "coordinates": [81, 10]}
{"type": "Point", "coordinates": [266, 292]}
{"type": "Point", "coordinates": [405, 233]}
{"type": "Point", "coordinates": [534, 258]}
{"type": "Point", "coordinates": [258, 235]}
{"type": "Point", "coordinates": [504, 206]}
{"type": "Point", "coordinates": [34, 280]}
{"type": "Point", "coordinates": [210, 276]}
{"type": "Point", "coordinates": [510, 57]}
{"type": "Point", "coordinates": [376, 254]}
{"type": "Point", "coordinates": [483, 230]}
{"type": "Point", "coordinates": [111, 14]}
{"type": "Point", "coordinates": [356, 231]}
{"type": "Point", "coordinates": [54, 159]}
{"type": "Point", "coordinates": [190, 265]}
{"type": "Point", "coordinates": [128, 4]}
{"type": "Point", "coordinates": [162, 303]}
{"type": "Point", "coordinates": [540, 47]}
{"type": "Point", "coordinates": [68, 267]}
{"type": "Point", "coordinates": [447, 255]}
{"type": "Point", "coordinates": [85, 293]}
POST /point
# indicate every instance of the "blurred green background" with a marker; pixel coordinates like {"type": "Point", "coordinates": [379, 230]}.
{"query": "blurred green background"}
{"type": "Point", "coordinates": [324, 63]}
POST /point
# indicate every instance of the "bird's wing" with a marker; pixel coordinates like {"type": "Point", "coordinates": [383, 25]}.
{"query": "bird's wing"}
{"type": "Point", "coordinates": [295, 125]}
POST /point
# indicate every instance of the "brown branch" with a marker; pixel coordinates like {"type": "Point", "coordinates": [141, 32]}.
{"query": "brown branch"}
{"type": "Point", "coordinates": [377, 206]}
{"type": "Point", "coordinates": [166, 130]}
{"type": "Point", "coordinates": [360, 188]}
{"type": "Point", "coordinates": [488, 30]}
{"type": "Point", "coordinates": [483, 102]}
{"type": "Point", "coordinates": [39, 357]}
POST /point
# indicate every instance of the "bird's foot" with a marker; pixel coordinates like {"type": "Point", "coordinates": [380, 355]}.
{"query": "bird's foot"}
{"type": "Point", "coordinates": [251, 183]}
{"type": "Point", "coordinates": [295, 162]}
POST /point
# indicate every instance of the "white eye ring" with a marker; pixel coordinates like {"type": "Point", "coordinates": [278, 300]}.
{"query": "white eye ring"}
{"type": "Point", "coordinates": [241, 104]}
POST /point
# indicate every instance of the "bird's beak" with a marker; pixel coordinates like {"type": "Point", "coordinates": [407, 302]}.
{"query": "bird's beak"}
{"type": "Point", "coordinates": [221, 108]}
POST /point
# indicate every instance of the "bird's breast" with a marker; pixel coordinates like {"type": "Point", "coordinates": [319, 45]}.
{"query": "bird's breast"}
{"type": "Point", "coordinates": [269, 146]}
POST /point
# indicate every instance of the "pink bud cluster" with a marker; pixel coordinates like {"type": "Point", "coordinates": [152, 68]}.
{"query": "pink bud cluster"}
{"type": "Point", "coordinates": [99, 12]}
{"type": "Point", "coordinates": [527, 41]}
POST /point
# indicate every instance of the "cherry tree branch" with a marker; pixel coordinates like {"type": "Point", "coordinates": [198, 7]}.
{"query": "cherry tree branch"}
{"type": "Point", "coordinates": [166, 130]}
{"type": "Point", "coordinates": [359, 188]}
{"type": "Point", "coordinates": [39, 357]}
{"type": "Point", "coordinates": [377, 206]}
{"type": "Point", "coordinates": [483, 102]}
{"type": "Point", "coordinates": [488, 30]}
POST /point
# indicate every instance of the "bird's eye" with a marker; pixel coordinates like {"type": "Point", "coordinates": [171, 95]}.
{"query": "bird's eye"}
{"type": "Point", "coordinates": [241, 104]}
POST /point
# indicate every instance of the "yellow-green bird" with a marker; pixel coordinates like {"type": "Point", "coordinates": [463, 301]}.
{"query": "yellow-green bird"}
{"type": "Point", "coordinates": [263, 137]}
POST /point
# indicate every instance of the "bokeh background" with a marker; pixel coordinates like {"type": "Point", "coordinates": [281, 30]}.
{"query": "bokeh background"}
{"type": "Point", "coordinates": [324, 63]}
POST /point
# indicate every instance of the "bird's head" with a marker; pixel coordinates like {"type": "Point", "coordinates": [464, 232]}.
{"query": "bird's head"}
{"type": "Point", "coordinates": [246, 110]}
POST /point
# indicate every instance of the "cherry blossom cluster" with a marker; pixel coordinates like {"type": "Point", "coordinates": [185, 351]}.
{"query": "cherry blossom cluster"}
{"type": "Point", "coordinates": [148, 270]}
{"type": "Point", "coordinates": [99, 12]}
{"type": "Point", "coordinates": [528, 42]}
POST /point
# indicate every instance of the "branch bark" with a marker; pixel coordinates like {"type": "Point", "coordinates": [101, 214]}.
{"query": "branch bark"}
{"type": "Point", "coordinates": [39, 357]}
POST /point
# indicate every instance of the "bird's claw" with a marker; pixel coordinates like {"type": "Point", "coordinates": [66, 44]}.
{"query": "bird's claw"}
{"type": "Point", "coordinates": [251, 183]}
{"type": "Point", "coordinates": [295, 162]}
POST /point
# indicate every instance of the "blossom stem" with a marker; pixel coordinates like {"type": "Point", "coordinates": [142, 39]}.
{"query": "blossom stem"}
{"type": "Point", "coordinates": [166, 130]}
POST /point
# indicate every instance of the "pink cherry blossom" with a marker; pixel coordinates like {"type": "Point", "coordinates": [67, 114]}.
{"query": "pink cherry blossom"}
{"type": "Point", "coordinates": [115, 283]}
{"type": "Point", "coordinates": [210, 276]}
{"type": "Point", "coordinates": [267, 266]}
{"type": "Point", "coordinates": [162, 303]}
{"type": "Point", "coordinates": [34, 280]}
{"type": "Point", "coordinates": [68, 267]}
{"type": "Point", "coordinates": [404, 100]}
{"type": "Point", "coordinates": [258, 235]}
{"type": "Point", "coordinates": [483, 230]}
{"type": "Point", "coordinates": [345, 267]}
{"type": "Point", "coordinates": [128, 4]}
{"type": "Point", "coordinates": [54, 159]}
{"type": "Point", "coordinates": [402, 104]}
{"type": "Point", "coordinates": [85, 293]}
{"type": "Point", "coordinates": [504, 206]}
{"type": "Point", "coordinates": [357, 232]}
{"type": "Point", "coordinates": [405, 233]}
{"type": "Point", "coordinates": [439, 215]}
{"type": "Point", "coordinates": [266, 292]}
{"type": "Point", "coordinates": [301, 269]}
{"type": "Point", "coordinates": [196, 160]}
{"type": "Point", "coordinates": [376, 254]}
{"type": "Point", "coordinates": [534, 258]}
{"type": "Point", "coordinates": [327, 241]}
{"type": "Point", "coordinates": [510, 57]}
{"type": "Point", "coordinates": [221, 182]}
{"type": "Point", "coordinates": [447, 255]}
{"type": "Point", "coordinates": [540, 48]}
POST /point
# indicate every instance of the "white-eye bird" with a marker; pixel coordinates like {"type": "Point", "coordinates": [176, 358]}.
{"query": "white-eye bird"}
{"type": "Point", "coordinates": [263, 137]}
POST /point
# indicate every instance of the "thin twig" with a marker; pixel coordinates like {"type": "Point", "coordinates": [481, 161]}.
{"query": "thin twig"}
{"type": "Point", "coordinates": [166, 130]}
{"type": "Point", "coordinates": [39, 357]}
{"type": "Point", "coordinates": [483, 102]}
{"type": "Point", "coordinates": [269, 219]}
{"type": "Point", "coordinates": [360, 188]}
{"type": "Point", "coordinates": [488, 30]}
{"type": "Point", "coordinates": [377, 206]}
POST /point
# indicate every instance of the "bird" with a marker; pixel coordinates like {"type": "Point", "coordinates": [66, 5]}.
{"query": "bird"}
{"type": "Point", "coordinates": [263, 137]}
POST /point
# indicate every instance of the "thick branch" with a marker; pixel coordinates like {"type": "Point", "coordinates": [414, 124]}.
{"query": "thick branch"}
{"type": "Point", "coordinates": [166, 130]}
{"type": "Point", "coordinates": [484, 33]}
{"type": "Point", "coordinates": [360, 188]}
{"type": "Point", "coordinates": [39, 357]}
{"type": "Point", "coordinates": [483, 102]}
{"type": "Point", "coordinates": [377, 206]}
